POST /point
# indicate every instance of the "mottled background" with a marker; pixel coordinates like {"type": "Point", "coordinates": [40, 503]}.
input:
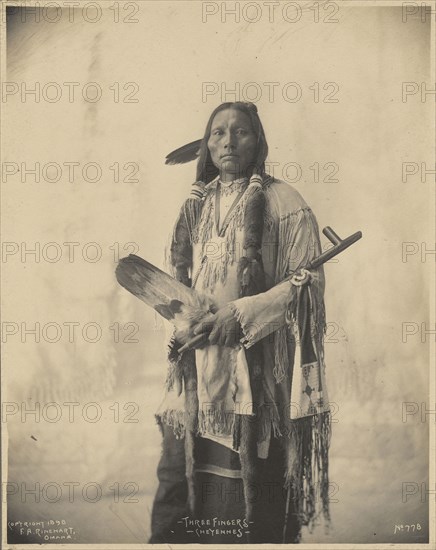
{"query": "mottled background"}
{"type": "Point", "coordinates": [370, 293]}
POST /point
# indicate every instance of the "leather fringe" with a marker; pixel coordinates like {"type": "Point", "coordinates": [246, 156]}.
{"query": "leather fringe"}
{"type": "Point", "coordinates": [307, 466]}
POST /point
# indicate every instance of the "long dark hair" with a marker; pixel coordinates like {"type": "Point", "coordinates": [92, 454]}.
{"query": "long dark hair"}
{"type": "Point", "coordinates": [206, 170]}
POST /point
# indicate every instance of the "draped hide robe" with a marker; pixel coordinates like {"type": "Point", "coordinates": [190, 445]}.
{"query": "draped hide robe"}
{"type": "Point", "coordinates": [288, 323]}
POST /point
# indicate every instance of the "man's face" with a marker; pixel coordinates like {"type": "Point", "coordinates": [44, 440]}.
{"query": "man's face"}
{"type": "Point", "coordinates": [232, 143]}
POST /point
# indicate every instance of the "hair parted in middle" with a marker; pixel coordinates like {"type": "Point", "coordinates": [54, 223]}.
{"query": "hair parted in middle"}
{"type": "Point", "coordinates": [206, 170]}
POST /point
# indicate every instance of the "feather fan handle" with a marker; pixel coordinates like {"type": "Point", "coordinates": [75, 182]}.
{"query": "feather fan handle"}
{"type": "Point", "coordinates": [184, 154]}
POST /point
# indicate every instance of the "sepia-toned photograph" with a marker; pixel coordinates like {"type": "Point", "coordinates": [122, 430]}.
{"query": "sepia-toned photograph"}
{"type": "Point", "coordinates": [217, 254]}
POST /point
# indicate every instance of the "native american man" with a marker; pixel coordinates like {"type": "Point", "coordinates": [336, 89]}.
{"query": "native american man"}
{"type": "Point", "coordinates": [245, 420]}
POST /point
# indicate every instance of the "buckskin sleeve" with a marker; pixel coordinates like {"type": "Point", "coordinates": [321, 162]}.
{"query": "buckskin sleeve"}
{"type": "Point", "coordinates": [298, 244]}
{"type": "Point", "coordinates": [262, 314]}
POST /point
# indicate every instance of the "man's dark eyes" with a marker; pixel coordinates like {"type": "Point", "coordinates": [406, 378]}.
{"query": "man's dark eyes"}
{"type": "Point", "coordinates": [238, 131]}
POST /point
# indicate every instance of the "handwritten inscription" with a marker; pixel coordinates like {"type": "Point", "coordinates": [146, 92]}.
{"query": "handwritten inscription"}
{"type": "Point", "coordinates": [404, 528]}
{"type": "Point", "coordinates": [215, 526]}
{"type": "Point", "coordinates": [52, 529]}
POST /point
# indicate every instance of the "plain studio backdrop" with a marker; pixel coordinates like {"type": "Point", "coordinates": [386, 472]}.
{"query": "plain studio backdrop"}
{"type": "Point", "coordinates": [330, 97]}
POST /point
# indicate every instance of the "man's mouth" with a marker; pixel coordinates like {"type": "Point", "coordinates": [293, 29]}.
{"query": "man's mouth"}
{"type": "Point", "coordinates": [229, 155]}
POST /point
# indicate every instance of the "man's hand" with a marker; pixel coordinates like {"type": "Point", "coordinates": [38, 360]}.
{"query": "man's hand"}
{"type": "Point", "coordinates": [223, 327]}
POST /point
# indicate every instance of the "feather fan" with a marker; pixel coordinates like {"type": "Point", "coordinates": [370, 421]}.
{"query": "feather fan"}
{"type": "Point", "coordinates": [181, 305]}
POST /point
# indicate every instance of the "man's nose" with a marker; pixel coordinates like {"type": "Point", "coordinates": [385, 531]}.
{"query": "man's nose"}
{"type": "Point", "coordinates": [229, 141]}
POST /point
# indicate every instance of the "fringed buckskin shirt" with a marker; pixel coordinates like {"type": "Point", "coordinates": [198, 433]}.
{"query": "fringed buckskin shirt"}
{"type": "Point", "coordinates": [293, 386]}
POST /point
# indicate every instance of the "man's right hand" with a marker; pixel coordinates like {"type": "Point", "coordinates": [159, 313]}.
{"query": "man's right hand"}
{"type": "Point", "coordinates": [220, 329]}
